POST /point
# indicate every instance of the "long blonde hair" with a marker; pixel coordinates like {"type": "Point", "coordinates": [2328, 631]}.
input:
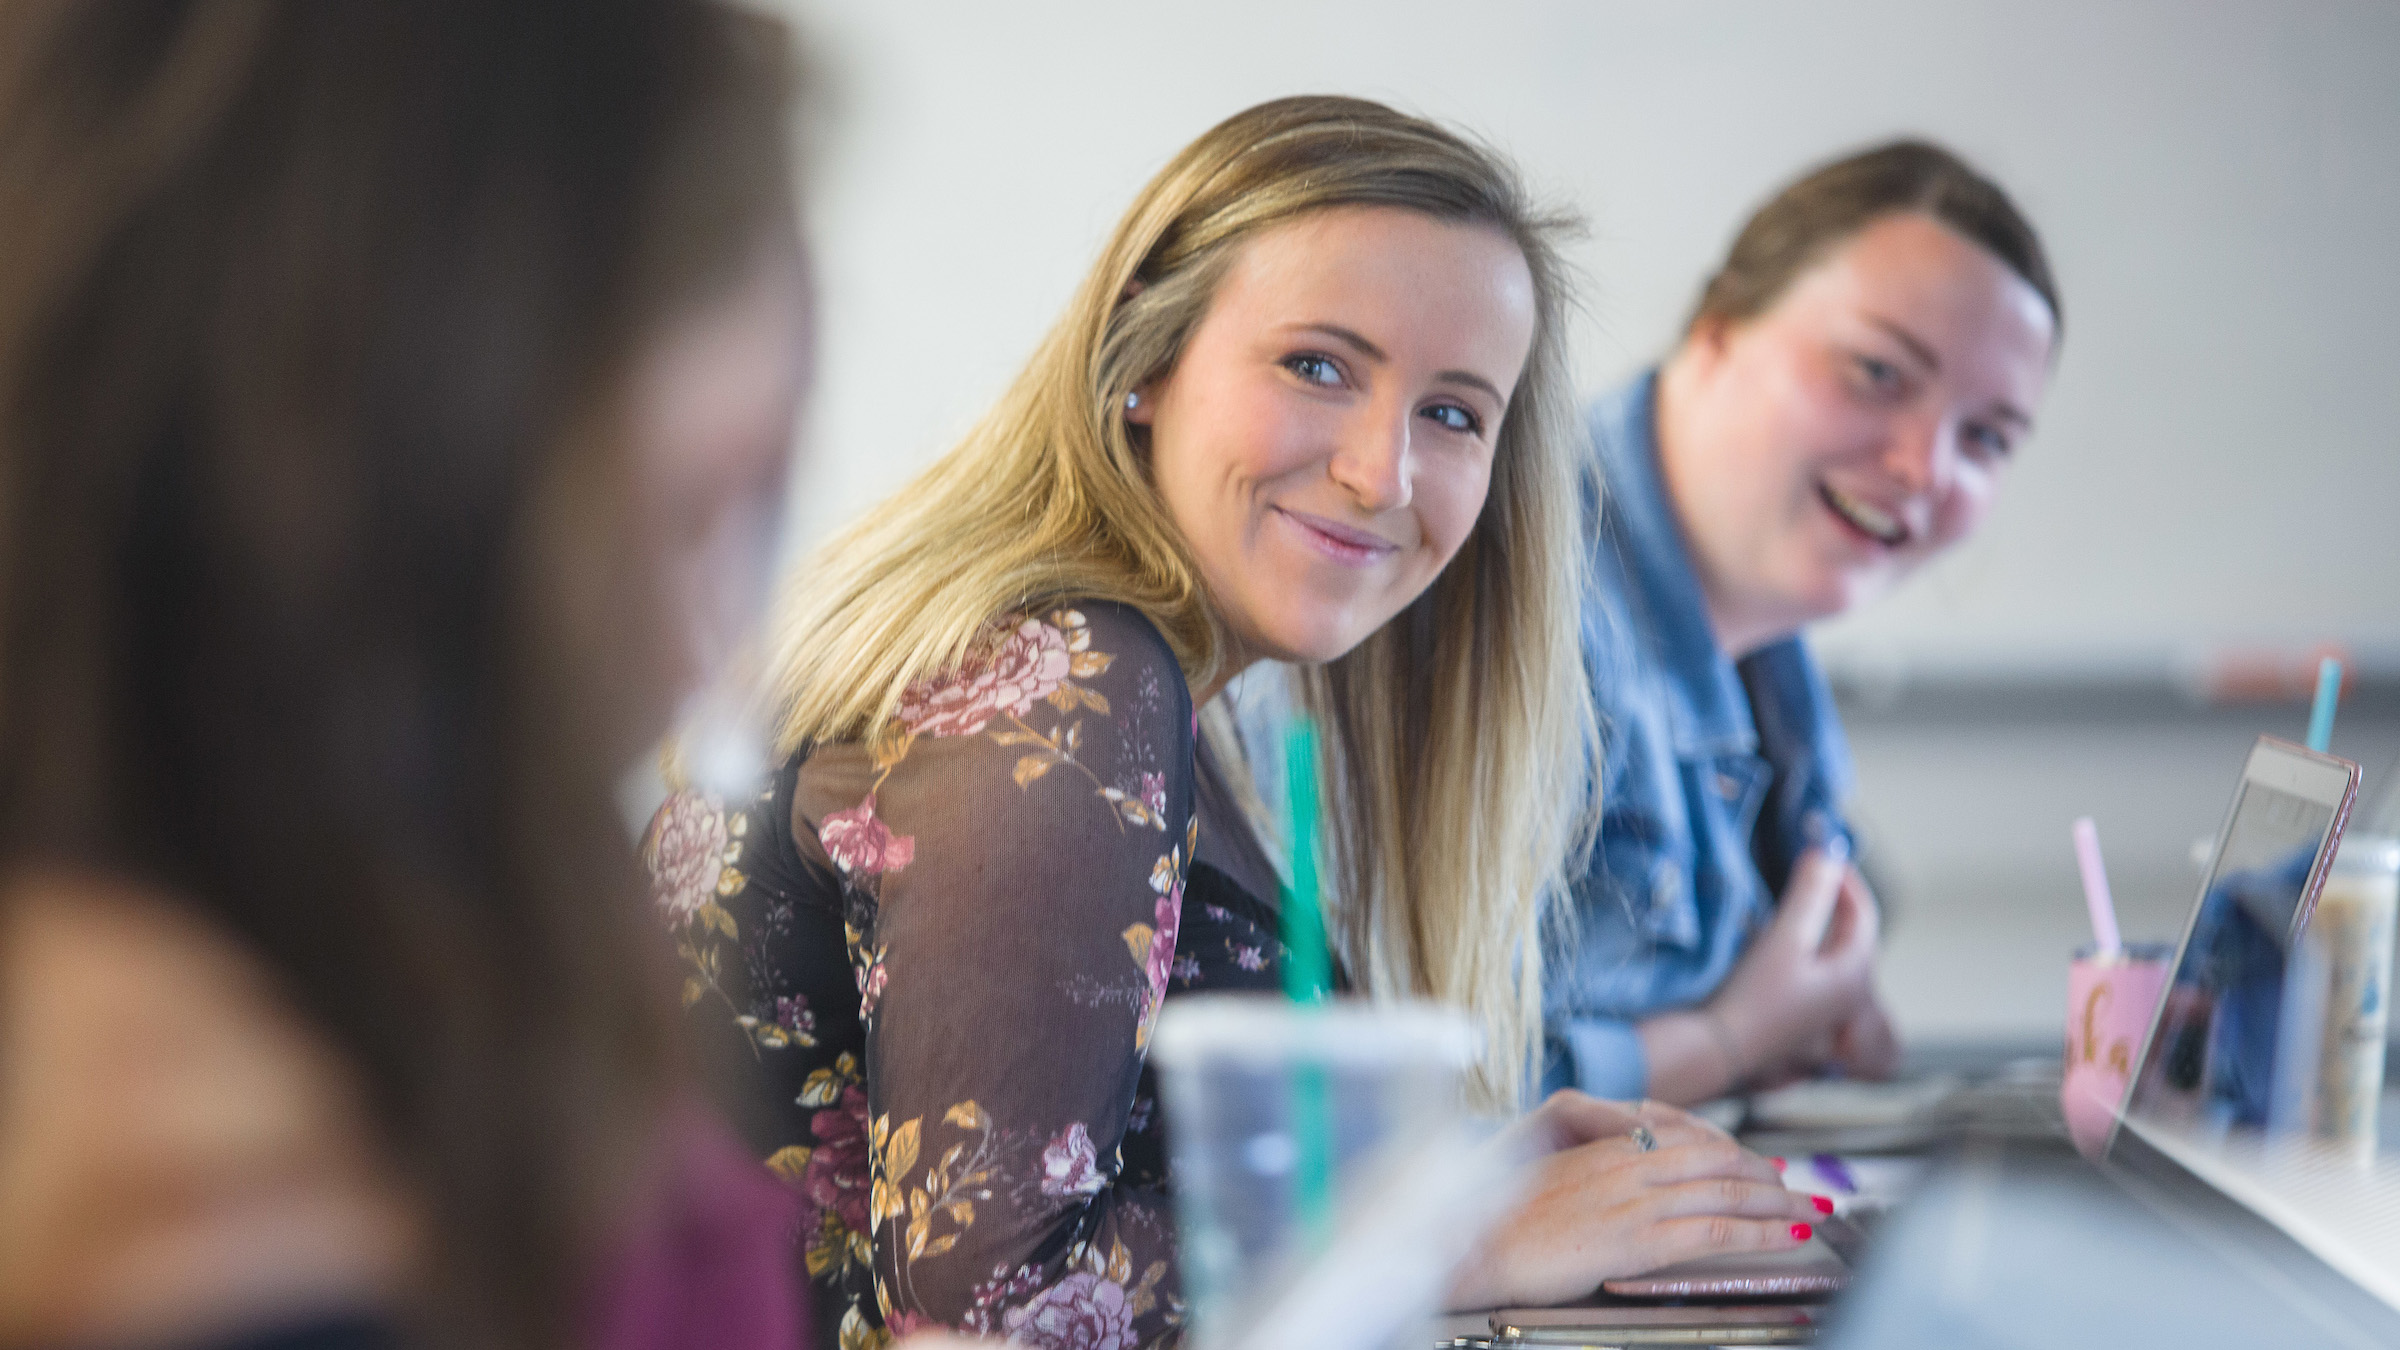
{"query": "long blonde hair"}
{"type": "Point", "coordinates": [1457, 736]}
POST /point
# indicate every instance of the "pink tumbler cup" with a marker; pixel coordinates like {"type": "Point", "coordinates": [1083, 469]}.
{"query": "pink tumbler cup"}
{"type": "Point", "coordinates": [2109, 1005]}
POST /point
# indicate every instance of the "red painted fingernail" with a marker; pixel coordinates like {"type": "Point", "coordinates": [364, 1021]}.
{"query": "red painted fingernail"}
{"type": "Point", "coordinates": [1801, 1232]}
{"type": "Point", "coordinates": [1824, 1203]}
{"type": "Point", "coordinates": [1776, 1163]}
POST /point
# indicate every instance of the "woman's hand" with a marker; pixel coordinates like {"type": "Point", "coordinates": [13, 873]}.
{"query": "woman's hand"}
{"type": "Point", "coordinates": [1806, 978]}
{"type": "Point", "coordinates": [1600, 1206]}
{"type": "Point", "coordinates": [1866, 1046]}
{"type": "Point", "coordinates": [1802, 998]}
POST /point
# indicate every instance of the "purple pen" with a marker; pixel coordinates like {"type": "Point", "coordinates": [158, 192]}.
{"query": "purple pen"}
{"type": "Point", "coordinates": [1829, 1166]}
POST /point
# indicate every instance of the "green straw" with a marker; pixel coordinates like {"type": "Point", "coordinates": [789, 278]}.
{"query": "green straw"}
{"type": "Point", "coordinates": [2320, 713]}
{"type": "Point", "coordinates": [1307, 974]}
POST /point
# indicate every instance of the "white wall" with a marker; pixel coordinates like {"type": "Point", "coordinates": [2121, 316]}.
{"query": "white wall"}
{"type": "Point", "coordinates": [2219, 183]}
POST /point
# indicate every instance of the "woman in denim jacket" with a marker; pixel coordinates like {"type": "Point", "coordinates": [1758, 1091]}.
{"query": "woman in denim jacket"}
{"type": "Point", "coordinates": [1840, 409]}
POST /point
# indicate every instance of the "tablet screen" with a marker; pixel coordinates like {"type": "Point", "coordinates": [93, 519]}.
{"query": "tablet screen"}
{"type": "Point", "coordinates": [2210, 1061]}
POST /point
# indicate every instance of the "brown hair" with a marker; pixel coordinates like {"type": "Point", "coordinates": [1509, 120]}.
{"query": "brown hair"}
{"type": "Point", "coordinates": [1815, 214]}
{"type": "Point", "coordinates": [311, 581]}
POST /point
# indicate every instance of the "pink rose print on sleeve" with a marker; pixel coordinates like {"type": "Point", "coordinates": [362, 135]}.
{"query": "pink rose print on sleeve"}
{"type": "Point", "coordinates": [685, 853]}
{"type": "Point", "coordinates": [1071, 1165]}
{"type": "Point", "coordinates": [1162, 945]}
{"type": "Point", "coordinates": [863, 846]}
{"type": "Point", "coordinates": [837, 1177]}
{"type": "Point", "coordinates": [1081, 1312]}
{"type": "Point", "coordinates": [1004, 680]}
{"type": "Point", "coordinates": [1166, 877]}
{"type": "Point", "coordinates": [871, 980]}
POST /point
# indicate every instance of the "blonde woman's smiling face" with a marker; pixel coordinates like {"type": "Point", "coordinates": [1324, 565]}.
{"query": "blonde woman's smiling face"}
{"type": "Point", "coordinates": [1325, 441]}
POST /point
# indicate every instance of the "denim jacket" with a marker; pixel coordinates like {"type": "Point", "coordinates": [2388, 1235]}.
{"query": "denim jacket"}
{"type": "Point", "coordinates": [1715, 775]}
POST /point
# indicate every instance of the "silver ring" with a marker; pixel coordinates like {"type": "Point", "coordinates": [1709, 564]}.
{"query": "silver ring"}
{"type": "Point", "coordinates": [1643, 1140]}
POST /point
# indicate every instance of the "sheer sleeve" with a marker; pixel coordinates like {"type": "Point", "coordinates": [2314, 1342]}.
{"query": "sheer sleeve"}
{"type": "Point", "coordinates": [1012, 858]}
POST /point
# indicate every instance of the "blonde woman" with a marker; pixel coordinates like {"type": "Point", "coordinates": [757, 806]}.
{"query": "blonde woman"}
{"type": "Point", "coordinates": [1308, 406]}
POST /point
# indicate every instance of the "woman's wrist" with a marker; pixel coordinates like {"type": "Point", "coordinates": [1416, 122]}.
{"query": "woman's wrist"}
{"type": "Point", "coordinates": [1737, 1067]}
{"type": "Point", "coordinates": [1472, 1286]}
{"type": "Point", "coordinates": [1692, 1054]}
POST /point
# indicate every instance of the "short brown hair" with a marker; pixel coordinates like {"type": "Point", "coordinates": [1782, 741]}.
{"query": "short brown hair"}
{"type": "Point", "coordinates": [1816, 213]}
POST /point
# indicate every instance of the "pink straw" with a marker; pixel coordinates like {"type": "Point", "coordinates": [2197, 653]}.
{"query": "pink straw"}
{"type": "Point", "coordinates": [2095, 888]}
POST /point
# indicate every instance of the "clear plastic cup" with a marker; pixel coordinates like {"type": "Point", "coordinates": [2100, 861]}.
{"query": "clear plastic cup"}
{"type": "Point", "coordinates": [2350, 934]}
{"type": "Point", "coordinates": [1285, 1121]}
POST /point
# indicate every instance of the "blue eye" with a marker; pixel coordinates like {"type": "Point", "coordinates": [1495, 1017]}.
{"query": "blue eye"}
{"type": "Point", "coordinates": [1454, 417]}
{"type": "Point", "coordinates": [1985, 442]}
{"type": "Point", "coordinates": [1881, 376]}
{"type": "Point", "coordinates": [1317, 370]}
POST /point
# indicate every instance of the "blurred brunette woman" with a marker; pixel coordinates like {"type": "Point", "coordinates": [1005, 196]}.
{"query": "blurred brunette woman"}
{"type": "Point", "coordinates": [384, 389]}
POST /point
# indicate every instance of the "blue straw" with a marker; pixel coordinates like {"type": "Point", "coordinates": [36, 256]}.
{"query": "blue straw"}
{"type": "Point", "coordinates": [2320, 713]}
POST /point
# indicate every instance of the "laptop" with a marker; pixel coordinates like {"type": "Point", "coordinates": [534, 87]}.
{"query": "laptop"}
{"type": "Point", "coordinates": [2197, 1116]}
{"type": "Point", "coordinates": [2218, 1093]}
{"type": "Point", "coordinates": [2227, 1226]}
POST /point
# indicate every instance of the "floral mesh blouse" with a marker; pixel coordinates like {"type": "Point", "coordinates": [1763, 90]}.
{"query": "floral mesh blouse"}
{"type": "Point", "coordinates": [943, 955]}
